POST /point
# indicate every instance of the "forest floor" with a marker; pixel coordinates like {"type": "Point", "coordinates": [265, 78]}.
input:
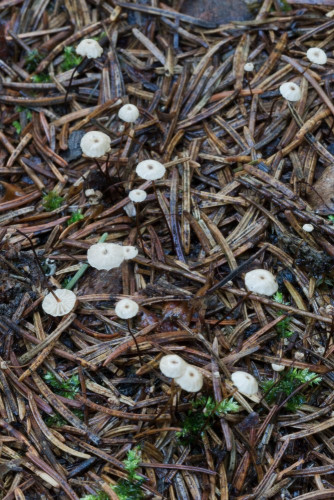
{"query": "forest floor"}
{"type": "Point", "coordinates": [83, 414]}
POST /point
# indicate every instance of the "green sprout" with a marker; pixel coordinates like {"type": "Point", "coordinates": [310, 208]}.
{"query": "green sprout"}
{"type": "Point", "coordinates": [101, 495]}
{"type": "Point", "coordinates": [41, 78]}
{"type": "Point", "coordinates": [283, 326]}
{"type": "Point", "coordinates": [17, 126]}
{"type": "Point", "coordinates": [289, 381]}
{"type": "Point", "coordinates": [130, 488]}
{"type": "Point", "coordinates": [66, 388]}
{"type": "Point", "coordinates": [52, 201]}
{"type": "Point", "coordinates": [75, 217]}
{"type": "Point", "coordinates": [331, 218]}
{"type": "Point", "coordinates": [32, 60]}
{"type": "Point", "coordinates": [197, 421]}
{"type": "Point", "coordinates": [71, 59]}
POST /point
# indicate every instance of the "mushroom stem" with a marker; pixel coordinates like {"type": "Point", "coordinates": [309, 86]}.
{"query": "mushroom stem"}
{"type": "Point", "coordinates": [138, 226]}
{"type": "Point", "coordinates": [135, 341]}
{"type": "Point", "coordinates": [45, 279]}
{"type": "Point", "coordinates": [249, 85]}
{"type": "Point", "coordinates": [71, 79]}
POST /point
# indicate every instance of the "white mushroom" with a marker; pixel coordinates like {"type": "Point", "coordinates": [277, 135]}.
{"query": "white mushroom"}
{"type": "Point", "coordinates": [245, 383]}
{"type": "Point", "coordinates": [277, 368]}
{"type": "Point", "coordinates": [126, 308]}
{"type": "Point", "coordinates": [172, 366]}
{"type": "Point", "coordinates": [128, 113]}
{"type": "Point", "coordinates": [249, 66]}
{"type": "Point", "coordinates": [316, 55]}
{"type": "Point", "coordinates": [137, 195]}
{"type": "Point", "coordinates": [150, 170]}
{"type": "Point", "coordinates": [67, 300]}
{"type": "Point", "coordinates": [299, 355]}
{"type": "Point", "coordinates": [105, 256]}
{"type": "Point", "coordinates": [95, 144]}
{"type": "Point", "coordinates": [130, 252]}
{"type": "Point", "coordinates": [89, 48]}
{"type": "Point", "coordinates": [261, 281]}
{"type": "Point", "coordinates": [290, 91]}
{"type": "Point", "coordinates": [308, 228]}
{"type": "Point", "coordinates": [191, 380]}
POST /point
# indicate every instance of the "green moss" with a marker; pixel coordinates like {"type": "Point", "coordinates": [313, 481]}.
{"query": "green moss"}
{"type": "Point", "coordinates": [75, 217]}
{"type": "Point", "coordinates": [71, 59]}
{"type": "Point", "coordinates": [287, 384]}
{"type": "Point", "coordinates": [52, 201]}
{"type": "Point", "coordinates": [130, 488]}
{"type": "Point", "coordinates": [66, 388]}
{"type": "Point", "coordinates": [32, 60]}
{"type": "Point", "coordinates": [41, 78]}
{"type": "Point", "coordinates": [17, 126]}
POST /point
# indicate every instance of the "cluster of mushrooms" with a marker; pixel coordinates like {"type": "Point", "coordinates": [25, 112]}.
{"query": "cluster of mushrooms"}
{"type": "Point", "coordinates": [106, 256]}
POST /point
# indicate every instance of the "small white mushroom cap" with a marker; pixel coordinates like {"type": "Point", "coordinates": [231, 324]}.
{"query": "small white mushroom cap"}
{"type": "Point", "coordinates": [261, 281]}
{"type": "Point", "coordinates": [128, 113]}
{"type": "Point", "coordinates": [126, 308]}
{"type": "Point", "coordinates": [89, 48]}
{"type": "Point", "coordinates": [316, 55]}
{"type": "Point", "coordinates": [299, 355]}
{"type": "Point", "coordinates": [308, 228]}
{"type": "Point", "coordinates": [105, 256]}
{"type": "Point", "coordinates": [150, 170]}
{"type": "Point", "coordinates": [172, 366]}
{"type": "Point", "coordinates": [137, 195]}
{"type": "Point", "coordinates": [95, 144]}
{"type": "Point", "coordinates": [191, 380]}
{"type": "Point", "coordinates": [130, 252]}
{"type": "Point", "coordinates": [277, 368]}
{"type": "Point", "coordinates": [245, 383]}
{"type": "Point", "coordinates": [67, 301]}
{"type": "Point", "coordinates": [290, 91]}
{"type": "Point", "coordinates": [249, 66]}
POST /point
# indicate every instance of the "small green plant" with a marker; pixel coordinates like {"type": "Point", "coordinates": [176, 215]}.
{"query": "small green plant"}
{"type": "Point", "coordinates": [331, 218]}
{"type": "Point", "coordinates": [101, 495]}
{"type": "Point", "coordinates": [51, 201]}
{"type": "Point", "coordinates": [71, 59]}
{"type": "Point", "coordinates": [287, 384]}
{"type": "Point", "coordinates": [17, 126]}
{"type": "Point", "coordinates": [197, 421]}
{"type": "Point", "coordinates": [283, 326]}
{"type": "Point", "coordinates": [75, 217]}
{"type": "Point", "coordinates": [66, 388]}
{"type": "Point", "coordinates": [130, 488]}
{"type": "Point", "coordinates": [58, 421]}
{"type": "Point", "coordinates": [41, 78]}
{"type": "Point", "coordinates": [32, 60]}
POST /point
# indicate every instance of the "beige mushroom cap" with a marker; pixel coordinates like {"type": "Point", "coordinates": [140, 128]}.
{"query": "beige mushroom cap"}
{"type": "Point", "coordinates": [67, 301]}
{"type": "Point", "coordinates": [137, 195]}
{"type": "Point", "coordinates": [172, 366]}
{"type": "Point", "coordinates": [245, 383]}
{"type": "Point", "coordinates": [130, 252]}
{"type": "Point", "coordinates": [150, 170]}
{"type": "Point", "coordinates": [249, 66]}
{"type": "Point", "coordinates": [89, 48]}
{"type": "Point", "coordinates": [95, 144]}
{"type": "Point", "coordinates": [126, 308]}
{"type": "Point", "coordinates": [277, 368]}
{"type": "Point", "coordinates": [308, 228]}
{"type": "Point", "coordinates": [261, 281]}
{"type": "Point", "coordinates": [191, 380]}
{"type": "Point", "coordinates": [290, 91]}
{"type": "Point", "coordinates": [316, 55]}
{"type": "Point", "coordinates": [105, 256]}
{"type": "Point", "coordinates": [128, 113]}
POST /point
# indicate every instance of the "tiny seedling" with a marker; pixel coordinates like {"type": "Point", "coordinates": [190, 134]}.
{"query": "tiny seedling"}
{"type": "Point", "coordinates": [32, 60]}
{"type": "Point", "coordinates": [41, 78]}
{"type": "Point", "coordinates": [75, 217]}
{"type": "Point", "coordinates": [203, 415]}
{"type": "Point", "coordinates": [289, 381]}
{"type": "Point", "coordinates": [331, 218]}
{"type": "Point", "coordinates": [130, 488]}
{"type": "Point", "coordinates": [71, 59]}
{"type": "Point", "coordinates": [283, 326]}
{"type": "Point", "coordinates": [17, 126]}
{"type": "Point", "coordinates": [52, 201]}
{"type": "Point", "coordinates": [101, 495]}
{"type": "Point", "coordinates": [66, 388]}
